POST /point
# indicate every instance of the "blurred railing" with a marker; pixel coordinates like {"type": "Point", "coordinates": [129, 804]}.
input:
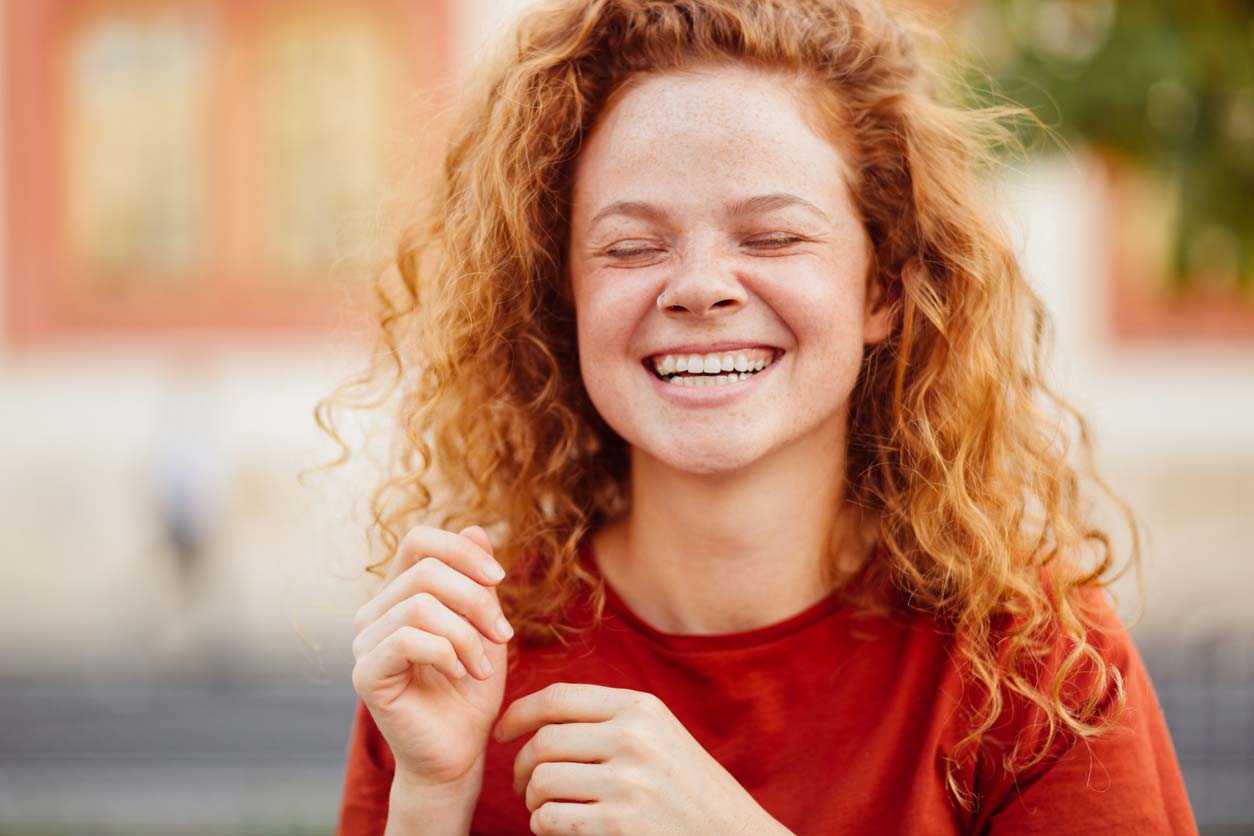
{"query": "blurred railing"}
{"type": "Point", "coordinates": [239, 755]}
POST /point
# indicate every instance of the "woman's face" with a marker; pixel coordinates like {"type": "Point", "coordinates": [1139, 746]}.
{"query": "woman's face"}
{"type": "Point", "coordinates": [712, 190]}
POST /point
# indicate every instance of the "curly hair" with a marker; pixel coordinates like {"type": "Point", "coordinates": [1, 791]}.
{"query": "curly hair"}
{"type": "Point", "coordinates": [953, 443]}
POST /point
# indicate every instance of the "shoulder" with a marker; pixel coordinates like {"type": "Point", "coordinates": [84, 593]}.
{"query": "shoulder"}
{"type": "Point", "coordinates": [1078, 656]}
{"type": "Point", "coordinates": [1109, 758]}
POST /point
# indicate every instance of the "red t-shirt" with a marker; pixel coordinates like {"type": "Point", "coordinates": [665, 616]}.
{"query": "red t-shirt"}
{"type": "Point", "coordinates": [834, 725]}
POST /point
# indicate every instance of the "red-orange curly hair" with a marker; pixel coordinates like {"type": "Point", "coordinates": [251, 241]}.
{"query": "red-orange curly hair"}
{"type": "Point", "coordinates": [951, 446]}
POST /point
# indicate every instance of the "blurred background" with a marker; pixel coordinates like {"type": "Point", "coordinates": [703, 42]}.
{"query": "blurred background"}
{"type": "Point", "coordinates": [195, 196]}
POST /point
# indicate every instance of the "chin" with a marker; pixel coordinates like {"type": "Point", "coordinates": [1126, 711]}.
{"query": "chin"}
{"type": "Point", "coordinates": [707, 459]}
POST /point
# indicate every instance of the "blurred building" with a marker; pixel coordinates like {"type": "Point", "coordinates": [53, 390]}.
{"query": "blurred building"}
{"type": "Point", "coordinates": [195, 196]}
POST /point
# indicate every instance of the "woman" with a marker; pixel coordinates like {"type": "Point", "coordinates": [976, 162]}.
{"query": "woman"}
{"type": "Point", "coordinates": [707, 324]}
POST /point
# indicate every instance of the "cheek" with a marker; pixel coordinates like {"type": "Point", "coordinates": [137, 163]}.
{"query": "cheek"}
{"type": "Point", "coordinates": [821, 307]}
{"type": "Point", "coordinates": [823, 311]}
{"type": "Point", "coordinates": [606, 314]}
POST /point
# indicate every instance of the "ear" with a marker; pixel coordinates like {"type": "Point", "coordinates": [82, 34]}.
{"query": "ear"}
{"type": "Point", "coordinates": [877, 319]}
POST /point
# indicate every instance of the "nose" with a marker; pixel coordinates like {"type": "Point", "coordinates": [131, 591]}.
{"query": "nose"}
{"type": "Point", "coordinates": [703, 290]}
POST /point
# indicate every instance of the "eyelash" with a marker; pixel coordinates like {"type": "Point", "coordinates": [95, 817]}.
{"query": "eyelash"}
{"type": "Point", "coordinates": [774, 243]}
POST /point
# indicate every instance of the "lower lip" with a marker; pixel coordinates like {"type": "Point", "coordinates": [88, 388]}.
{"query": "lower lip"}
{"type": "Point", "coordinates": [709, 395]}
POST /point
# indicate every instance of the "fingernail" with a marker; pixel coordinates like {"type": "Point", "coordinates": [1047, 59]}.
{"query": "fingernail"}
{"type": "Point", "coordinates": [502, 627]}
{"type": "Point", "coordinates": [485, 667]}
{"type": "Point", "coordinates": [493, 570]}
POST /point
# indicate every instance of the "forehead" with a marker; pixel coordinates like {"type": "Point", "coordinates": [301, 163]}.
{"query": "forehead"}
{"type": "Point", "coordinates": [726, 128]}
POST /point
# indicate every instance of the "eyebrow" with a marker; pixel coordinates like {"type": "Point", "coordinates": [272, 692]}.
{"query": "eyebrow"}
{"type": "Point", "coordinates": [745, 206]}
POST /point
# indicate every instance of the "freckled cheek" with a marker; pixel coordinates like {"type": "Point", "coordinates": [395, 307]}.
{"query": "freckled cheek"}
{"type": "Point", "coordinates": [820, 306]}
{"type": "Point", "coordinates": [816, 313]}
{"type": "Point", "coordinates": [606, 318]}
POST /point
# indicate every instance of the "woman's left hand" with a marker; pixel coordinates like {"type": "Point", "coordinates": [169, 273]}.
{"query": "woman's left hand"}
{"type": "Point", "coordinates": [625, 752]}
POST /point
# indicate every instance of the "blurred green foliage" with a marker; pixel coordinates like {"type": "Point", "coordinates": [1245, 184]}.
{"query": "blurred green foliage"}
{"type": "Point", "coordinates": [1166, 83]}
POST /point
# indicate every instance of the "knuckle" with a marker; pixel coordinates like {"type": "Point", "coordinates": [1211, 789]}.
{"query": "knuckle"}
{"type": "Point", "coordinates": [423, 602]}
{"type": "Point", "coordinates": [626, 739]}
{"type": "Point", "coordinates": [555, 695]}
{"type": "Point", "coordinates": [542, 777]}
{"type": "Point", "coordinates": [359, 677]}
{"type": "Point", "coordinates": [633, 781]}
{"type": "Point", "coordinates": [428, 566]}
{"type": "Point", "coordinates": [542, 741]}
{"type": "Point", "coordinates": [450, 652]}
{"type": "Point", "coordinates": [644, 709]}
{"type": "Point", "coordinates": [647, 702]}
{"type": "Point", "coordinates": [423, 539]}
{"type": "Point", "coordinates": [415, 640]}
{"type": "Point", "coordinates": [465, 638]}
{"type": "Point", "coordinates": [543, 820]}
{"type": "Point", "coordinates": [410, 541]}
{"type": "Point", "coordinates": [634, 738]}
{"type": "Point", "coordinates": [468, 638]}
{"type": "Point", "coordinates": [400, 637]}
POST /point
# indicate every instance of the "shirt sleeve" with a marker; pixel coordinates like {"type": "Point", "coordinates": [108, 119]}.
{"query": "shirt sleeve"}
{"type": "Point", "coordinates": [367, 779]}
{"type": "Point", "coordinates": [1126, 780]}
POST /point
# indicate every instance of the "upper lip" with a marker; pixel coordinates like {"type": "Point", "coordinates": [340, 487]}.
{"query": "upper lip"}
{"type": "Point", "coordinates": [710, 348]}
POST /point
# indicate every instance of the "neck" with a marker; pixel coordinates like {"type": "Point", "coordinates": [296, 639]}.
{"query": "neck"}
{"type": "Point", "coordinates": [701, 554]}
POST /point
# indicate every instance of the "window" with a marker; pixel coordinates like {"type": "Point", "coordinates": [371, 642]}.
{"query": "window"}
{"type": "Point", "coordinates": [212, 166]}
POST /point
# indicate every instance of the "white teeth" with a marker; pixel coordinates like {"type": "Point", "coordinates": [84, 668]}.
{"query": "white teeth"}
{"type": "Point", "coordinates": [713, 364]}
{"type": "Point", "coordinates": [720, 380]}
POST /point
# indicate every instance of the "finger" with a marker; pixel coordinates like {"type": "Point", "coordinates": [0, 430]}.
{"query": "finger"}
{"type": "Point", "coordinates": [477, 603]}
{"type": "Point", "coordinates": [558, 818]}
{"type": "Point", "coordinates": [576, 742]}
{"type": "Point", "coordinates": [562, 702]}
{"type": "Point", "coordinates": [399, 652]}
{"type": "Point", "coordinates": [427, 612]}
{"type": "Point", "coordinates": [562, 781]}
{"type": "Point", "coordinates": [479, 537]}
{"type": "Point", "coordinates": [463, 554]}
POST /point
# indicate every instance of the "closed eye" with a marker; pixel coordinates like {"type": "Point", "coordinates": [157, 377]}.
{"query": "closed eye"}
{"type": "Point", "coordinates": [775, 241]}
{"type": "Point", "coordinates": [630, 252]}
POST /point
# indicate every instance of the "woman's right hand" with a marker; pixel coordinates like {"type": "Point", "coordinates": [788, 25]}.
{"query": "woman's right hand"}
{"type": "Point", "coordinates": [419, 644]}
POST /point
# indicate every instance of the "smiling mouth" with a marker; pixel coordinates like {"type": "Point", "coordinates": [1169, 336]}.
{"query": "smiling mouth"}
{"type": "Point", "coordinates": [721, 377]}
